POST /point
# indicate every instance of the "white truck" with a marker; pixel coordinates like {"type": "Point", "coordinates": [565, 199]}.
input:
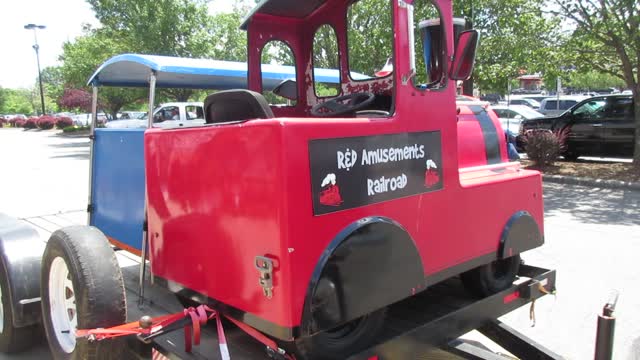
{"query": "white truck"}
{"type": "Point", "coordinates": [168, 115]}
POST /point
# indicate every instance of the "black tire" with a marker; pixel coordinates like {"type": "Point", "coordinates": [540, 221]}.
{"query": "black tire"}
{"type": "Point", "coordinates": [97, 286]}
{"type": "Point", "coordinates": [492, 278]}
{"type": "Point", "coordinates": [344, 340]}
{"type": "Point", "coordinates": [13, 339]}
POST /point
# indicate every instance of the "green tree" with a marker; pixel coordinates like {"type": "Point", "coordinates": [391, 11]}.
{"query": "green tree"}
{"type": "Point", "coordinates": [83, 56]}
{"type": "Point", "coordinates": [3, 99]}
{"type": "Point", "coordinates": [606, 39]}
{"type": "Point", "coordinates": [515, 36]}
{"type": "Point", "coordinates": [17, 101]}
{"type": "Point", "coordinates": [162, 27]}
{"type": "Point", "coordinates": [593, 80]}
{"type": "Point", "coordinates": [53, 82]}
{"type": "Point", "coordinates": [369, 27]}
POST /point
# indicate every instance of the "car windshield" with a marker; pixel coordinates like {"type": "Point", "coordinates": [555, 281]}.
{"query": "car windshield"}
{"type": "Point", "coordinates": [144, 116]}
{"type": "Point", "coordinates": [590, 107]}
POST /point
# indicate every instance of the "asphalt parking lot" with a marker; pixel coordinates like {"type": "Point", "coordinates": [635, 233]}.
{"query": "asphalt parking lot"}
{"type": "Point", "coordinates": [592, 240]}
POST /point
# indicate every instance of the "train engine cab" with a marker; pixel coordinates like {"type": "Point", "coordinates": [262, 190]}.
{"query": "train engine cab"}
{"type": "Point", "coordinates": [306, 211]}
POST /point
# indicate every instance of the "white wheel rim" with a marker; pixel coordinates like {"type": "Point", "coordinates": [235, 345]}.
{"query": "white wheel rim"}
{"type": "Point", "coordinates": [1, 313]}
{"type": "Point", "coordinates": [62, 301]}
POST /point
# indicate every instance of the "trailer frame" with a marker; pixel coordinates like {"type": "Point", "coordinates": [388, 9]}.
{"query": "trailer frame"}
{"type": "Point", "coordinates": [417, 329]}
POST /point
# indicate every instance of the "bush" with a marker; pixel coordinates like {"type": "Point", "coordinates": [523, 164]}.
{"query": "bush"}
{"type": "Point", "coordinates": [73, 129]}
{"type": "Point", "coordinates": [30, 123]}
{"type": "Point", "coordinates": [17, 122]}
{"type": "Point", "coordinates": [46, 122]}
{"type": "Point", "coordinates": [2, 121]}
{"type": "Point", "coordinates": [63, 122]}
{"type": "Point", "coordinates": [544, 146]}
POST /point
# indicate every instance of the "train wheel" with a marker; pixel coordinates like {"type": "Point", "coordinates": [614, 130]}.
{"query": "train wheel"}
{"type": "Point", "coordinates": [82, 288]}
{"type": "Point", "coordinates": [346, 339]}
{"type": "Point", "coordinates": [492, 278]}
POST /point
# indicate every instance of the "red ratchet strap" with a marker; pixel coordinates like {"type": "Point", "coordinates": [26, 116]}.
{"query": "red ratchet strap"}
{"type": "Point", "coordinates": [199, 316]}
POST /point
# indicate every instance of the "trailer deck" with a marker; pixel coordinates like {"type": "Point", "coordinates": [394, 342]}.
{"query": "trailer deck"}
{"type": "Point", "coordinates": [427, 325]}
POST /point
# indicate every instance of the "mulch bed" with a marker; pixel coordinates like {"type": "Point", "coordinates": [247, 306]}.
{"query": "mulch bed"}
{"type": "Point", "coordinates": [606, 170]}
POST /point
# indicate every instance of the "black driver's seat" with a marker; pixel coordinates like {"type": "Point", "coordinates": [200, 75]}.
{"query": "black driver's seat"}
{"type": "Point", "coordinates": [235, 105]}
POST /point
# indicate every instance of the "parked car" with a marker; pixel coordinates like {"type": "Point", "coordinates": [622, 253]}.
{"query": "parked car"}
{"type": "Point", "coordinates": [553, 106]}
{"type": "Point", "coordinates": [124, 115]}
{"type": "Point", "coordinates": [536, 97]}
{"type": "Point", "coordinates": [512, 116]}
{"type": "Point", "coordinates": [532, 104]}
{"type": "Point", "coordinates": [85, 119]}
{"type": "Point", "coordinates": [167, 115]}
{"type": "Point", "coordinates": [598, 126]}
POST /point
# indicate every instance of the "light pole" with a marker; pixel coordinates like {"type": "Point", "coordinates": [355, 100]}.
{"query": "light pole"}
{"type": "Point", "coordinates": [34, 27]}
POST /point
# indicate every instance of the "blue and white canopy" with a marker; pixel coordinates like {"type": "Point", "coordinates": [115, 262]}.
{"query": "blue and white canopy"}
{"type": "Point", "coordinates": [133, 70]}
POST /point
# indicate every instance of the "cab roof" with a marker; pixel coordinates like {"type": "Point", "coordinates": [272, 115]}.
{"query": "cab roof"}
{"type": "Point", "coordinates": [297, 9]}
{"type": "Point", "coordinates": [133, 70]}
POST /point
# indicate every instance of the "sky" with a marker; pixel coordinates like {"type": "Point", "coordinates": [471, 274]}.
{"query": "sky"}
{"type": "Point", "coordinates": [63, 20]}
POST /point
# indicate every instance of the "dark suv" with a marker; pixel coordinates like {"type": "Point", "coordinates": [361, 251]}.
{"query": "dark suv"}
{"type": "Point", "coordinates": [599, 126]}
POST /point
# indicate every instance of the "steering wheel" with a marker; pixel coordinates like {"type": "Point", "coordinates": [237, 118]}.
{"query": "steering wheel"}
{"type": "Point", "coordinates": [340, 105]}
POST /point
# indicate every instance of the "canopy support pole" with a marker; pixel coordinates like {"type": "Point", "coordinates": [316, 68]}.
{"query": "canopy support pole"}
{"type": "Point", "coordinates": [92, 140]}
{"type": "Point", "coordinates": [145, 224]}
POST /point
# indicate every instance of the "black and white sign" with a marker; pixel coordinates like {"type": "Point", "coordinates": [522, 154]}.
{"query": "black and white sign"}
{"type": "Point", "coordinates": [351, 172]}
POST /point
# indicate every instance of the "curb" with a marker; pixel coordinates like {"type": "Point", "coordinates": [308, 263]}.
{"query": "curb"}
{"type": "Point", "coordinates": [73, 135]}
{"type": "Point", "coordinates": [610, 184]}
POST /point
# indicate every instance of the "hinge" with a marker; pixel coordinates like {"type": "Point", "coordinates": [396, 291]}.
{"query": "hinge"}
{"type": "Point", "coordinates": [90, 208]}
{"type": "Point", "coordinates": [264, 265]}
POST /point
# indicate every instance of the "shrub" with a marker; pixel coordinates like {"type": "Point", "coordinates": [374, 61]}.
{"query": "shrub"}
{"type": "Point", "coordinates": [2, 121]}
{"type": "Point", "coordinates": [46, 122]}
{"type": "Point", "coordinates": [18, 122]}
{"type": "Point", "coordinates": [30, 123]}
{"type": "Point", "coordinates": [73, 129]}
{"type": "Point", "coordinates": [63, 122]}
{"type": "Point", "coordinates": [544, 146]}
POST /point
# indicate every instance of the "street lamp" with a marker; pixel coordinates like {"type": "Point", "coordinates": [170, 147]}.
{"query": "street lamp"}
{"type": "Point", "coordinates": [34, 27]}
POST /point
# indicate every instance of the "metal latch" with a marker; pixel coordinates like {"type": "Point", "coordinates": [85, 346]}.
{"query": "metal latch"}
{"type": "Point", "coordinates": [264, 265]}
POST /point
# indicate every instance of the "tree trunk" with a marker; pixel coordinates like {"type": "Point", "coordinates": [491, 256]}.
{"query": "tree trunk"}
{"type": "Point", "coordinates": [636, 106]}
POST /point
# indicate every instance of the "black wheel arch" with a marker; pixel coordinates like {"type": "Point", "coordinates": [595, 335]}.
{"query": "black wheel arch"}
{"type": "Point", "coordinates": [21, 252]}
{"type": "Point", "coordinates": [521, 233]}
{"type": "Point", "coordinates": [371, 263]}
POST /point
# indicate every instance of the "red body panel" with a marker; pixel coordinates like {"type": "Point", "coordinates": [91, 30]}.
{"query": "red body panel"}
{"type": "Point", "coordinates": [218, 196]}
{"type": "Point", "coordinates": [471, 139]}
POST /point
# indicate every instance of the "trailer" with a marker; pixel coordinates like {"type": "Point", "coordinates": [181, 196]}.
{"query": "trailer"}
{"type": "Point", "coordinates": [427, 326]}
{"type": "Point", "coordinates": [362, 214]}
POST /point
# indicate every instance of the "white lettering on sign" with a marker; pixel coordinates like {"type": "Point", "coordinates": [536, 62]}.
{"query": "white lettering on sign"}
{"type": "Point", "coordinates": [380, 156]}
{"type": "Point", "coordinates": [384, 184]}
{"type": "Point", "coordinates": [347, 159]}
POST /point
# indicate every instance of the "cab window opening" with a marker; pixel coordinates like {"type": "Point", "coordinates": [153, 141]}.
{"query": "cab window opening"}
{"type": "Point", "coordinates": [326, 62]}
{"type": "Point", "coordinates": [277, 52]}
{"type": "Point", "coordinates": [370, 39]}
{"type": "Point", "coordinates": [430, 50]}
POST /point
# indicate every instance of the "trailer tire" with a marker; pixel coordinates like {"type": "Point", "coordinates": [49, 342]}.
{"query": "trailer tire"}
{"type": "Point", "coordinates": [80, 270]}
{"type": "Point", "coordinates": [492, 278]}
{"type": "Point", "coordinates": [344, 340]}
{"type": "Point", "coordinates": [12, 339]}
